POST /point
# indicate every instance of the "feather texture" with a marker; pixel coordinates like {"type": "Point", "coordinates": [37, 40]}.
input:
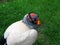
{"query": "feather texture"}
{"type": "Point", "coordinates": [19, 33]}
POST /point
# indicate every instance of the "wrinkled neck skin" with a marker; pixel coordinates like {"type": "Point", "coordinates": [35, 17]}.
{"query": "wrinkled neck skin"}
{"type": "Point", "coordinates": [30, 25]}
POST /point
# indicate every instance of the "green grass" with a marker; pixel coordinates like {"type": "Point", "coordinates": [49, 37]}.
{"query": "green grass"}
{"type": "Point", "coordinates": [49, 14]}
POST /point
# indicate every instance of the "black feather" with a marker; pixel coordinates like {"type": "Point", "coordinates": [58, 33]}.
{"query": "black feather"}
{"type": "Point", "coordinates": [2, 40]}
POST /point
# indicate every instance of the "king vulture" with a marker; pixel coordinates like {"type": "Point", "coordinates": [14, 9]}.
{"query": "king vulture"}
{"type": "Point", "coordinates": [22, 32]}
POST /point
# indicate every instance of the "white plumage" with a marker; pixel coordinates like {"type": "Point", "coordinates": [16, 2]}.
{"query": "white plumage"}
{"type": "Point", "coordinates": [19, 33]}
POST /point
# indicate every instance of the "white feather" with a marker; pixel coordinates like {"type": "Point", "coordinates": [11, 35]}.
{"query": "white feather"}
{"type": "Point", "coordinates": [20, 34]}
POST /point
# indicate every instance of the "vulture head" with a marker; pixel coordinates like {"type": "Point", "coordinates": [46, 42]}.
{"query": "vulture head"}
{"type": "Point", "coordinates": [31, 20]}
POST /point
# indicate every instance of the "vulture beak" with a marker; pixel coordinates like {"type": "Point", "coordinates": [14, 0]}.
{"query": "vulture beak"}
{"type": "Point", "coordinates": [38, 22]}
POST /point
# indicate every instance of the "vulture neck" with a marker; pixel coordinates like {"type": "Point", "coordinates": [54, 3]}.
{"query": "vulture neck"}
{"type": "Point", "coordinates": [30, 25]}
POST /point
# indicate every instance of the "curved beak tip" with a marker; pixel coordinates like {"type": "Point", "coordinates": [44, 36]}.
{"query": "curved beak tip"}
{"type": "Point", "coordinates": [38, 22]}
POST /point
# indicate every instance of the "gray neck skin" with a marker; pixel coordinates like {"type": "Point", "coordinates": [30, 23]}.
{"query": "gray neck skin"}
{"type": "Point", "coordinates": [30, 25]}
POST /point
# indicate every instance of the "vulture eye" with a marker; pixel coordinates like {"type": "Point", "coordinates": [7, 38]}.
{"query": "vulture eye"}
{"type": "Point", "coordinates": [33, 21]}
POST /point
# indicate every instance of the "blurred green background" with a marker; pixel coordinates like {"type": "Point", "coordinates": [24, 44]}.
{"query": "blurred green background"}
{"type": "Point", "coordinates": [48, 11]}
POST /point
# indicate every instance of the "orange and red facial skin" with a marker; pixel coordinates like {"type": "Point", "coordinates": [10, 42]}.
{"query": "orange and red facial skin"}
{"type": "Point", "coordinates": [37, 21]}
